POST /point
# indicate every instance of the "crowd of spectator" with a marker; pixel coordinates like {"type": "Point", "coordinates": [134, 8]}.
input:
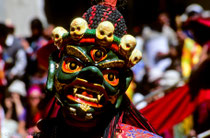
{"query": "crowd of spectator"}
{"type": "Point", "coordinates": [22, 79]}
{"type": "Point", "coordinates": [170, 55]}
{"type": "Point", "coordinates": [174, 57]}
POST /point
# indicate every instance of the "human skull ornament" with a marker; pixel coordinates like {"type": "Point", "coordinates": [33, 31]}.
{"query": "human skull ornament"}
{"type": "Point", "coordinates": [77, 28]}
{"type": "Point", "coordinates": [135, 57]}
{"type": "Point", "coordinates": [57, 34]}
{"type": "Point", "coordinates": [127, 44]}
{"type": "Point", "coordinates": [105, 33]}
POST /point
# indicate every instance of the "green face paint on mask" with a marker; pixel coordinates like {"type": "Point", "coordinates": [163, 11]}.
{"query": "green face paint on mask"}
{"type": "Point", "coordinates": [89, 78]}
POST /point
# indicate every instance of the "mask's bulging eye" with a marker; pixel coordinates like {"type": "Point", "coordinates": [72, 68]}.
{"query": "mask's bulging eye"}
{"type": "Point", "coordinates": [71, 65]}
{"type": "Point", "coordinates": [98, 55]}
{"type": "Point", "coordinates": [111, 76]}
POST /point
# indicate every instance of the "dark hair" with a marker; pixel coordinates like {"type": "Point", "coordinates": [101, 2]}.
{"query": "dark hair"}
{"type": "Point", "coordinates": [3, 30]}
{"type": "Point", "coordinates": [11, 29]}
{"type": "Point", "coordinates": [37, 24]}
{"type": "Point", "coordinates": [14, 115]}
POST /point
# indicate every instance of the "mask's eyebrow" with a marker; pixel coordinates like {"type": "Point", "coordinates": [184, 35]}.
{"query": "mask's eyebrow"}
{"type": "Point", "coordinates": [112, 64]}
{"type": "Point", "coordinates": [71, 50]}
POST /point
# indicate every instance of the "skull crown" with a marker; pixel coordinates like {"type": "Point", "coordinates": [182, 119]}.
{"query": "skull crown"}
{"type": "Point", "coordinates": [77, 28]}
{"type": "Point", "coordinates": [103, 35]}
{"type": "Point", "coordinates": [127, 44]}
{"type": "Point", "coordinates": [135, 57]}
{"type": "Point", "coordinates": [57, 34]}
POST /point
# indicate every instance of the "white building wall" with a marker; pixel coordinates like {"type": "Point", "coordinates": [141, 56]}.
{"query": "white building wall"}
{"type": "Point", "coordinates": [2, 10]}
{"type": "Point", "coordinates": [21, 12]}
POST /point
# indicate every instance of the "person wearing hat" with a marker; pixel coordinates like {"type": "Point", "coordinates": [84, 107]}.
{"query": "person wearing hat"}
{"type": "Point", "coordinates": [34, 114]}
{"type": "Point", "coordinates": [14, 109]}
{"type": "Point", "coordinates": [191, 50]}
{"type": "Point", "coordinates": [88, 75]}
{"type": "Point", "coordinates": [194, 9]}
{"type": "Point", "coordinates": [199, 79]}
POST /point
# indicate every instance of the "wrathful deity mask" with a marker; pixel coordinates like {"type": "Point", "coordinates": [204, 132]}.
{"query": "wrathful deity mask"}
{"type": "Point", "coordinates": [91, 70]}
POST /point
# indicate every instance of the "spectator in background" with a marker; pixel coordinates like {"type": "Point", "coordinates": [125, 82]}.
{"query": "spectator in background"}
{"type": "Point", "coordinates": [195, 36]}
{"type": "Point", "coordinates": [156, 47]}
{"type": "Point", "coordinates": [13, 54]}
{"type": "Point", "coordinates": [160, 50]}
{"type": "Point", "coordinates": [3, 80]}
{"type": "Point", "coordinates": [199, 79]}
{"type": "Point", "coordinates": [36, 40]}
{"type": "Point", "coordinates": [14, 123]}
{"type": "Point", "coordinates": [31, 46]}
{"type": "Point", "coordinates": [156, 42]}
{"type": "Point", "coordinates": [191, 49]}
{"type": "Point", "coordinates": [167, 30]}
{"type": "Point", "coordinates": [33, 115]}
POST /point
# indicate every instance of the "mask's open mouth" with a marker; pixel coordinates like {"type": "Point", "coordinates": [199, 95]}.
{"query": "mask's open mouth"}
{"type": "Point", "coordinates": [83, 92]}
{"type": "Point", "coordinates": [83, 95]}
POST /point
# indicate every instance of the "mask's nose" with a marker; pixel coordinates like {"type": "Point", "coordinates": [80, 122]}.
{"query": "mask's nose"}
{"type": "Point", "coordinates": [92, 74]}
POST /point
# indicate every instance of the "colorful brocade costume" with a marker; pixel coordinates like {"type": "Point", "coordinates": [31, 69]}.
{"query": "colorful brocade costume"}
{"type": "Point", "coordinates": [190, 56]}
{"type": "Point", "coordinates": [89, 74]}
{"type": "Point", "coordinates": [133, 132]}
